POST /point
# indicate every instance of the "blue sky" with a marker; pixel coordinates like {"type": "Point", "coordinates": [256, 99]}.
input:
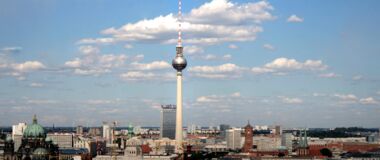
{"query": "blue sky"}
{"type": "Point", "coordinates": [294, 63]}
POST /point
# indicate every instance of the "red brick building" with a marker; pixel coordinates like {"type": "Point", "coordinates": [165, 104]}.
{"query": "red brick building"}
{"type": "Point", "coordinates": [248, 138]}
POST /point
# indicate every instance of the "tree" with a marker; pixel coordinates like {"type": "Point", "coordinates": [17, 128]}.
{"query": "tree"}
{"type": "Point", "coordinates": [326, 152]}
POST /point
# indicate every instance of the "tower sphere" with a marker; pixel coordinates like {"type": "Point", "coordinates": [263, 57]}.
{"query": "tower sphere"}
{"type": "Point", "coordinates": [179, 63]}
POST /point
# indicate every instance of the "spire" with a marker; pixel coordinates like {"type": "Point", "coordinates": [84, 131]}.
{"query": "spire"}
{"type": "Point", "coordinates": [301, 144]}
{"type": "Point", "coordinates": [34, 119]}
{"type": "Point", "coordinates": [305, 138]}
{"type": "Point", "coordinates": [179, 23]}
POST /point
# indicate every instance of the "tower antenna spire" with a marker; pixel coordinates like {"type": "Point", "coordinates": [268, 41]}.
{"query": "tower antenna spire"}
{"type": "Point", "coordinates": [179, 63]}
{"type": "Point", "coordinates": [179, 19]}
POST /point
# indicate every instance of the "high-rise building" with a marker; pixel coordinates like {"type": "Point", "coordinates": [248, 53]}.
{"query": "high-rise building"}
{"type": "Point", "coordinates": [223, 128]}
{"type": "Point", "coordinates": [18, 129]}
{"type": "Point", "coordinates": [233, 138]}
{"type": "Point", "coordinates": [277, 131]}
{"type": "Point", "coordinates": [168, 121]}
{"type": "Point", "coordinates": [94, 132]}
{"type": "Point", "coordinates": [286, 141]}
{"type": "Point", "coordinates": [179, 63]}
{"type": "Point", "coordinates": [79, 130]}
{"type": "Point", "coordinates": [107, 132]}
{"type": "Point", "coordinates": [17, 132]}
{"type": "Point", "coordinates": [248, 141]}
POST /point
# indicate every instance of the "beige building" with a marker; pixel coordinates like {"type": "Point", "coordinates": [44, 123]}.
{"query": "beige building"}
{"type": "Point", "coordinates": [63, 140]}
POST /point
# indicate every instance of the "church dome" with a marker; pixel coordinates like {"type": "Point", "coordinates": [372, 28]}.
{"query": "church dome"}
{"type": "Point", "coordinates": [34, 130]}
{"type": "Point", "coordinates": [40, 154]}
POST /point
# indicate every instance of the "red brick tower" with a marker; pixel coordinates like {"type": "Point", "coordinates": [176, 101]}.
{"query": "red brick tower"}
{"type": "Point", "coordinates": [248, 138]}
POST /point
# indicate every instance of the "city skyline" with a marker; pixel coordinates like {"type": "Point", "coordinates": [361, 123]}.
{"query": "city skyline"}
{"type": "Point", "coordinates": [293, 63]}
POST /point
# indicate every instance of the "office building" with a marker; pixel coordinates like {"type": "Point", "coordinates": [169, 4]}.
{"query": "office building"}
{"type": "Point", "coordinates": [287, 141]}
{"type": "Point", "coordinates": [79, 130]}
{"type": "Point", "coordinates": [168, 121]}
{"type": "Point", "coordinates": [233, 138]}
{"type": "Point", "coordinates": [63, 140]}
{"type": "Point", "coordinates": [107, 132]}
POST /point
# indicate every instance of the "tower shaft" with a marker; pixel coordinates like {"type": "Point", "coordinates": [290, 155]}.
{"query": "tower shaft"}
{"type": "Point", "coordinates": [178, 131]}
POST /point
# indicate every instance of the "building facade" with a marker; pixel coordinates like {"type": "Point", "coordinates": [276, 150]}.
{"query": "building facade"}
{"type": "Point", "coordinates": [168, 121]}
{"type": "Point", "coordinates": [63, 140]}
{"type": "Point", "coordinates": [36, 145]}
{"type": "Point", "coordinates": [233, 138]}
{"type": "Point", "coordinates": [248, 140]}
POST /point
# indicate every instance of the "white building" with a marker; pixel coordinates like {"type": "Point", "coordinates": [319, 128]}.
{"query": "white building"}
{"type": "Point", "coordinates": [89, 144]}
{"type": "Point", "coordinates": [257, 127]}
{"type": "Point", "coordinates": [264, 143]}
{"type": "Point", "coordinates": [107, 132]}
{"type": "Point", "coordinates": [319, 141]}
{"type": "Point", "coordinates": [17, 132]}
{"type": "Point", "coordinates": [233, 138]}
{"type": "Point", "coordinates": [18, 129]}
{"type": "Point", "coordinates": [287, 141]}
{"type": "Point", "coordinates": [63, 140]}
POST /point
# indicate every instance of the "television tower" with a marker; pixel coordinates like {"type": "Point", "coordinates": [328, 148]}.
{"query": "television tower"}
{"type": "Point", "coordinates": [179, 63]}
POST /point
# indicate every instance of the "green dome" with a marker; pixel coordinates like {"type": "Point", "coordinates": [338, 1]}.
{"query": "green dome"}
{"type": "Point", "coordinates": [34, 130]}
{"type": "Point", "coordinates": [40, 152]}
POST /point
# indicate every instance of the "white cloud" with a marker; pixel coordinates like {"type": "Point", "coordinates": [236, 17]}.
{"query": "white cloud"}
{"type": "Point", "coordinates": [36, 85]}
{"type": "Point", "coordinates": [28, 66]}
{"type": "Point", "coordinates": [91, 72]}
{"type": "Point", "coordinates": [232, 46]}
{"type": "Point", "coordinates": [40, 101]}
{"type": "Point", "coordinates": [218, 98]}
{"type": "Point", "coordinates": [319, 94]}
{"type": "Point", "coordinates": [96, 41]}
{"type": "Point", "coordinates": [329, 75]}
{"type": "Point", "coordinates": [155, 65]}
{"type": "Point", "coordinates": [227, 70]}
{"type": "Point", "coordinates": [128, 46]}
{"type": "Point", "coordinates": [206, 99]}
{"type": "Point", "coordinates": [192, 50]}
{"type": "Point", "coordinates": [93, 63]}
{"type": "Point", "coordinates": [89, 50]}
{"type": "Point", "coordinates": [212, 57]}
{"type": "Point", "coordinates": [10, 50]}
{"type": "Point", "coordinates": [140, 76]}
{"type": "Point", "coordinates": [137, 58]}
{"type": "Point", "coordinates": [213, 22]}
{"type": "Point", "coordinates": [226, 12]}
{"type": "Point", "coordinates": [368, 101]}
{"type": "Point", "coordinates": [269, 47]}
{"type": "Point", "coordinates": [76, 63]}
{"type": "Point", "coordinates": [18, 70]}
{"type": "Point", "coordinates": [283, 65]}
{"type": "Point", "coordinates": [260, 70]}
{"type": "Point", "coordinates": [103, 101]}
{"type": "Point", "coordinates": [357, 77]}
{"type": "Point", "coordinates": [236, 94]}
{"type": "Point", "coordinates": [347, 98]}
{"type": "Point", "coordinates": [288, 100]}
{"type": "Point", "coordinates": [295, 18]}
{"type": "Point", "coordinates": [352, 99]}
{"type": "Point", "coordinates": [110, 60]}
{"type": "Point", "coordinates": [227, 57]}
